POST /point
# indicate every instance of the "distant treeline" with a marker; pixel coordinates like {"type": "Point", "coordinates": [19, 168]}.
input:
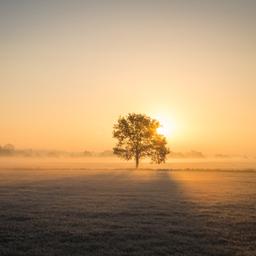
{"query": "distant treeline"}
{"type": "Point", "coordinates": [9, 150]}
{"type": "Point", "coordinates": [190, 154]}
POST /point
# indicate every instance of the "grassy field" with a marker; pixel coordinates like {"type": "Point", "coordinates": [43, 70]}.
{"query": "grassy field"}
{"type": "Point", "coordinates": [127, 212]}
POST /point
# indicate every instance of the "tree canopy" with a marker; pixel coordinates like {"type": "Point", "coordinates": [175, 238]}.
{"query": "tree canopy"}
{"type": "Point", "coordinates": [137, 138]}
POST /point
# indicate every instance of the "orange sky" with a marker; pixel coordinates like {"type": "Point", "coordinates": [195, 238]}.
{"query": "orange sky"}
{"type": "Point", "coordinates": [68, 69]}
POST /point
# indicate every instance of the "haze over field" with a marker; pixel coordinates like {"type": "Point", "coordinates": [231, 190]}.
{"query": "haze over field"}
{"type": "Point", "coordinates": [70, 68]}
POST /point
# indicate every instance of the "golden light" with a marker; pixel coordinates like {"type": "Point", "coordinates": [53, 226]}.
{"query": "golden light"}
{"type": "Point", "coordinates": [166, 126]}
{"type": "Point", "coordinates": [162, 131]}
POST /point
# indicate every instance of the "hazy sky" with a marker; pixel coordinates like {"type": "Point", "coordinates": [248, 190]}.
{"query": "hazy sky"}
{"type": "Point", "coordinates": [68, 69]}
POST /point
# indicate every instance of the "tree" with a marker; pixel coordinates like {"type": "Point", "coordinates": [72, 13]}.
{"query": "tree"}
{"type": "Point", "coordinates": [138, 138]}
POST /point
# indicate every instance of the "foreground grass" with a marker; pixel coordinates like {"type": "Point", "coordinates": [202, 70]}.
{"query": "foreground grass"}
{"type": "Point", "coordinates": [125, 212]}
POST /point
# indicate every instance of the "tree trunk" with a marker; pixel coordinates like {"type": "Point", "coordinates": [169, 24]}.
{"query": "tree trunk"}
{"type": "Point", "coordinates": [137, 161]}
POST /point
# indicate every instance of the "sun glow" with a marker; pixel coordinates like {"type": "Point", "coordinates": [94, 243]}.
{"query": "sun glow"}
{"type": "Point", "coordinates": [163, 131]}
{"type": "Point", "coordinates": [166, 126]}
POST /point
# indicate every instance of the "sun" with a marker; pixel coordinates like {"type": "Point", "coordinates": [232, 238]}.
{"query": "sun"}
{"type": "Point", "coordinates": [166, 126]}
{"type": "Point", "coordinates": [163, 131]}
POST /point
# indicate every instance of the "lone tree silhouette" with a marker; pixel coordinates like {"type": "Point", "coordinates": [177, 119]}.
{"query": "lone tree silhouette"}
{"type": "Point", "coordinates": [138, 138]}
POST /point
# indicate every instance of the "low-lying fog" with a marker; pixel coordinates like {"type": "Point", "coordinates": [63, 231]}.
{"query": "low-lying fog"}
{"type": "Point", "coordinates": [115, 163]}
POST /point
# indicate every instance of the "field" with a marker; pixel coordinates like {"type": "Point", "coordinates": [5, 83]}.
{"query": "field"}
{"type": "Point", "coordinates": [127, 212]}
